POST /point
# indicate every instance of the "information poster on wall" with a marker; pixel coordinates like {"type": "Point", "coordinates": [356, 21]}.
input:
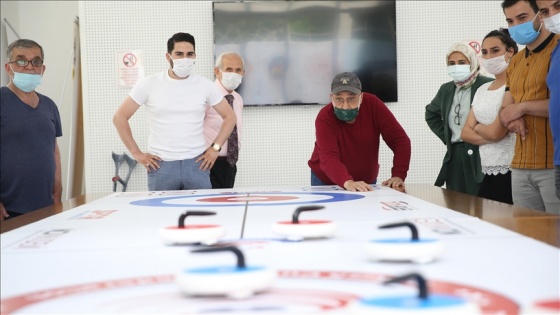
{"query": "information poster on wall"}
{"type": "Point", "coordinates": [129, 67]}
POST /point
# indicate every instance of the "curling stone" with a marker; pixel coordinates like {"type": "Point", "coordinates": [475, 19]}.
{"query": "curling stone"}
{"type": "Point", "coordinates": [404, 249]}
{"type": "Point", "coordinates": [423, 303]}
{"type": "Point", "coordinates": [301, 229]}
{"type": "Point", "coordinates": [192, 233]}
{"type": "Point", "coordinates": [237, 282]}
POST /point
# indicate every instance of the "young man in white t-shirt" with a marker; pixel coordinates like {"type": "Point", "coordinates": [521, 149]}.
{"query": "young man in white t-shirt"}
{"type": "Point", "coordinates": [175, 101]}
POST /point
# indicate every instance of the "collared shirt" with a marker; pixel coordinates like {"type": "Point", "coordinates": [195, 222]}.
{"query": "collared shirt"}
{"type": "Point", "coordinates": [213, 121]}
{"type": "Point", "coordinates": [526, 81]}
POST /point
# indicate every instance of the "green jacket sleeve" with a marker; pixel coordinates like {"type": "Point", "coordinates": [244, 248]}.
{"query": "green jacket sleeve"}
{"type": "Point", "coordinates": [434, 115]}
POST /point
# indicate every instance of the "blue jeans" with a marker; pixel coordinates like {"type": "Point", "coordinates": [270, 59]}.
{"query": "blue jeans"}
{"type": "Point", "coordinates": [315, 181]}
{"type": "Point", "coordinates": [179, 175]}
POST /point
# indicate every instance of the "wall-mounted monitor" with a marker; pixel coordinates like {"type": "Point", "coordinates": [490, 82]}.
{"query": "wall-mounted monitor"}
{"type": "Point", "coordinates": [293, 49]}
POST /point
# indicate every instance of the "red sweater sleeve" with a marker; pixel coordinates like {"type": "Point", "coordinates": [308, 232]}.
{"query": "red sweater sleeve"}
{"type": "Point", "coordinates": [328, 135]}
{"type": "Point", "coordinates": [396, 139]}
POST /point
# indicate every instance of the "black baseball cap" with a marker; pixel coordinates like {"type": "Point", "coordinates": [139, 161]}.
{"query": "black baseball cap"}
{"type": "Point", "coordinates": [346, 81]}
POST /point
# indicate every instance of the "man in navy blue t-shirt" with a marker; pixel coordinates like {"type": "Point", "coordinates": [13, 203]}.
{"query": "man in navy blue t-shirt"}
{"type": "Point", "coordinates": [29, 125]}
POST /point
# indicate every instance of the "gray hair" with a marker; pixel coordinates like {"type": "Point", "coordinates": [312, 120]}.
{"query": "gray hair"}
{"type": "Point", "coordinates": [219, 60]}
{"type": "Point", "coordinates": [23, 43]}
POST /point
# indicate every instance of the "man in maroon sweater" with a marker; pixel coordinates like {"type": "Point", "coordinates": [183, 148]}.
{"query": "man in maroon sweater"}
{"type": "Point", "coordinates": [347, 134]}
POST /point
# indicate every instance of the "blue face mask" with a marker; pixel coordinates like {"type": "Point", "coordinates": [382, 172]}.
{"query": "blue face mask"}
{"type": "Point", "coordinates": [525, 33]}
{"type": "Point", "coordinates": [26, 82]}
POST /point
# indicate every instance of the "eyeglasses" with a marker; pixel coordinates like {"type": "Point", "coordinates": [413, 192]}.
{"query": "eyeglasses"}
{"type": "Point", "coordinates": [457, 109]}
{"type": "Point", "coordinates": [23, 63]}
{"type": "Point", "coordinates": [350, 101]}
{"type": "Point", "coordinates": [457, 118]}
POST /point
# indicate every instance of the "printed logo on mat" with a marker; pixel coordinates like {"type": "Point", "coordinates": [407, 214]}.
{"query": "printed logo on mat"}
{"type": "Point", "coordinates": [396, 206]}
{"type": "Point", "coordinates": [94, 215]}
{"type": "Point", "coordinates": [42, 240]}
{"type": "Point", "coordinates": [440, 226]}
{"type": "Point", "coordinates": [156, 193]}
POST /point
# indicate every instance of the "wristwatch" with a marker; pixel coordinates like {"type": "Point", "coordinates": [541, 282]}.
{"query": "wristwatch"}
{"type": "Point", "coordinates": [216, 147]}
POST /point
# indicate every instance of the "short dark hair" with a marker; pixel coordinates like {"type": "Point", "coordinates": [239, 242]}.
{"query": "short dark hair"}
{"type": "Point", "coordinates": [23, 43]}
{"type": "Point", "coordinates": [510, 3]}
{"type": "Point", "coordinates": [503, 35]}
{"type": "Point", "coordinates": [179, 37]}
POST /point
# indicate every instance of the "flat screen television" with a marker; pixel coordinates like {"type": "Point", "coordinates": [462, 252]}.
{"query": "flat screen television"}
{"type": "Point", "coordinates": [293, 49]}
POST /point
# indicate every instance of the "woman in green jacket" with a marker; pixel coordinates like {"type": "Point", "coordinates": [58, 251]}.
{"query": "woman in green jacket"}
{"type": "Point", "coordinates": [446, 115]}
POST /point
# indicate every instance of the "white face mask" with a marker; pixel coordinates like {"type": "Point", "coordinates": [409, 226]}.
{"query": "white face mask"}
{"type": "Point", "coordinates": [183, 67]}
{"type": "Point", "coordinates": [553, 23]}
{"type": "Point", "coordinates": [495, 65]}
{"type": "Point", "coordinates": [459, 72]}
{"type": "Point", "coordinates": [230, 80]}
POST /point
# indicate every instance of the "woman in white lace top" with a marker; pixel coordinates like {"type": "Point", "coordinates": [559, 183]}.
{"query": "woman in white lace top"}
{"type": "Point", "coordinates": [483, 127]}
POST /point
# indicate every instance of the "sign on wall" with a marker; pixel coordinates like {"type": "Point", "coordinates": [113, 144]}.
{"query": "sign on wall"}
{"type": "Point", "coordinates": [129, 67]}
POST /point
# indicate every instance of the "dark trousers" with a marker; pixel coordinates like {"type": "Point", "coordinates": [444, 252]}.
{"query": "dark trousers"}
{"type": "Point", "coordinates": [497, 187]}
{"type": "Point", "coordinates": [13, 214]}
{"type": "Point", "coordinates": [222, 175]}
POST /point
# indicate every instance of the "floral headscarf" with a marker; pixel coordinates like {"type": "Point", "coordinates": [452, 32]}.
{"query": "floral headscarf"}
{"type": "Point", "coordinates": [470, 53]}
